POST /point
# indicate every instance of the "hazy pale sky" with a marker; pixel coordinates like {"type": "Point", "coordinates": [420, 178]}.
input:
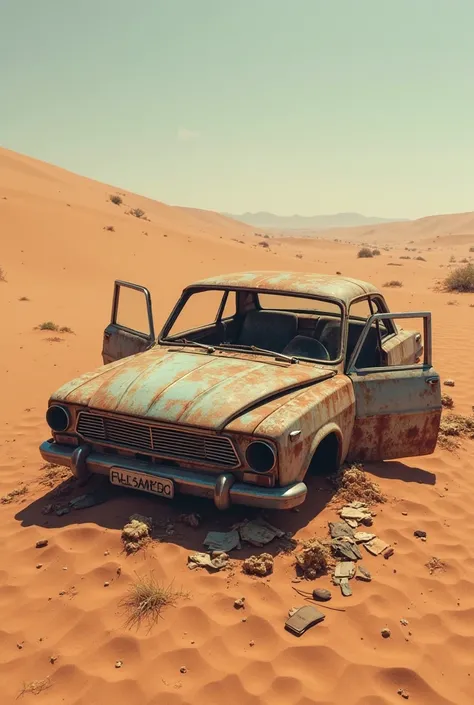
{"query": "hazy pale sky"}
{"type": "Point", "coordinates": [290, 106]}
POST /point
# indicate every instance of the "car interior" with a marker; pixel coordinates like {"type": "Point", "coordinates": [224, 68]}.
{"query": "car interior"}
{"type": "Point", "coordinates": [306, 333]}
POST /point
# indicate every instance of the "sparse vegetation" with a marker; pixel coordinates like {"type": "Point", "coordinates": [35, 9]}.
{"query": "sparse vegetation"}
{"type": "Point", "coordinates": [453, 303]}
{"type": "Point", "coordinates": [110, 228]}
{"type": "Point", "coordinates": [264, 244]}
{"type": "Point", "coordinates": [23, 298]}
{"type": "Point", "coordinates": [460, 279]}
{"type": "Point", "coordinates": [260, 565]}
{"type": "Point", "coordinates": [365, 252]}
{"type": "Point", "coordinates": [48, 325]}
{"type": "Point", "coordinates": [435, 564]}
{"type": "Point", "coordinates": [3, 277]}
{"type": "Point", "coordinates": [353, 485]}
{"type": "Point", "coordinates": [405, 257]}
{"type": "Point", "coordinates": [315, 559]}
{"type": "Point", "coordinates": [447, 401]}
{"type": "Point", "coordinates": [375, 252]}
{"type": "Point", "coordinates": [395, 264]}
{"type": "Point", "coordinates": [453, 427]}
{"type": "Point", "coordinates": [145, 600]}
{"type": "Point", "coordinates": [55, 339]}
{"type": "Point", "coordinates": [11, 496]}
{"type": "Point", "coordinates": [420, 258]}
{"type": "Point", "coordinates": [116, 199]}
{"type": "Point", "coordinates": [36, 687]}
{"type": "Point", "coordinates": [393, 283]}
{"type": "Point", "coordinates": [66, 329]}
{"type": "Point", "coordinates": [137, 212]}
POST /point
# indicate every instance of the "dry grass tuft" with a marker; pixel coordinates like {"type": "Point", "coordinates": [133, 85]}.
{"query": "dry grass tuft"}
{"type": "Point", "coordinates": [447, 401]}
{"type": "Point", "coordinates": [365, 252]}
{"type": "Point", "coordinates": [145, 600]}
{"type": "Point", "coordinates": [435, 564]}
{"type": "Point", "coordinates": [136, 533]}
{"type": "Point", "coordinates": [354, 485]}
{"type": "Point", "coordinates": [460, 279]}
{"type": "Point", "coordinates": [137, 212]}
{"type": "Point", "coordinates": [375, 252]}
{"type": "Point", "coordinates": [393, 283]}
{"type": "Point", "coordinates": [66, 329]}
{"type": "Point", "coordinates": [36, 687]}
{"type": "Point", "coordinates": [110, 228]}
{"type": "Point", "coordinates": [14, 494]}
{"type": "Point", "coordinates": [48, 325]}
{"type": "Point", "coordinates": [258, 565]}
{"type": "Point", "coordinates": [315, 559]}
{"type": "Point", "coordinates": [453, 427]}
{"type": "Point", "coordinates": [116, 199]}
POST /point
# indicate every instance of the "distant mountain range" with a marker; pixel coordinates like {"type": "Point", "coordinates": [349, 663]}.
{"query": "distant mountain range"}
{"type": "Point", "coordinates": [312, 222]}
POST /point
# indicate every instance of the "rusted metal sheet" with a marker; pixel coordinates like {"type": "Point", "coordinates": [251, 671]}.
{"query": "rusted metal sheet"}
{"type": "Point", "coordinates": [192, 388]}
{"type": "Point", "coordinates": [344, 289]}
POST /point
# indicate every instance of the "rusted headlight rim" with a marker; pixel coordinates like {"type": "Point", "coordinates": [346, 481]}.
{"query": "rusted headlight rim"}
{"type": "Point", "coordinates": [56, 410]}
{"type": "Point", "coordinates": [269, 447]}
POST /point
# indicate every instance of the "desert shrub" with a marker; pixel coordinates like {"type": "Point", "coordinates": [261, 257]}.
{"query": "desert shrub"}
{"type": "Point", "coordinates": [115, 198]}
{"type": "Point", "coordinates": [3, 277]}
{"type": "Point", "coordinates": [48, 325]}
{"type": "Point", "coordinates": [393, 283]}
{"type": "Point", "coordinates": [145, 600]}
{"type": "Point", "coordinates": [137, 212]}
{"type": "Point", "coordinates": [365, 252]}
{"type": "Point", "coordinates": [110, 228]}
{"type": "Point", "coordinates": [471, 249]}
{"type": "Point", "coordinates": [420, 258]}
{"type": "Point", "coordinates": [395, 264]}
{"type": "Point", "coordinates": [405, 257]}
{"type": "Point", "coordinates": [460, 279]}
{"type": "Point", "coordinates": [375, 252]}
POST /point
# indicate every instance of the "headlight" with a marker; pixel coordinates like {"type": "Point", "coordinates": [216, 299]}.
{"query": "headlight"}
{"type": "Point", "coordinates": [58, 418]}
{"type": "Point", "coordinates": [260, 456]}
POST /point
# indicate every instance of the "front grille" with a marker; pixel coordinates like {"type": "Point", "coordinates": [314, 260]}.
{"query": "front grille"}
{"type": "Point", "coordinates": [162, 441]}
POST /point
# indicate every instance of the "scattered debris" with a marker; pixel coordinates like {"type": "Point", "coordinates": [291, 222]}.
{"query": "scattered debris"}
{"type": "Point", "coordinates": [251, 643]}
{"type": "Point", "coordinates": [314, 560]}
{"type": "Point", "coordinates": [321, 595]}
{"type": "Point", "coordinates": [84, 501]}
{"type": "Point", "coordinates": [455, 426]}
{"type": "Point", "coordinates": [136, 533]}
{"type": "Point", "coordinates": [240, 603]}
{"type": "Point", "coordinates": [354, 513]}
{"type": "Point", "coordinates": [386, 633]}
{"type": "Point", "coordinates": [218, 561]}
{"type": "Point", "coordinates": [183, 669]}
{"type": "Point", "coordinates": [36, 687]}
{"type": "Point", "coordinates": [345, 587]}
{"type": "Point", "coordinates": [404, 622]}
{"type": "Point", "coordinates": [376, 546]}
{"type": "Point", "coordinates": [14, 494]}
{"type": "Point", "coordinates": [363, 574]}
{"type": "Point", "coordinates": [448, 382]}
{"type": "Point", "coordinates": [42, 543]}
{"type": "Point", "coordinates": [106, 584]}
{"type": "Point", "coordinates": [222, 540]}
{"type": "Point", "coordinates": [19, 645]}
{"type": "Point", "coordinates": [363, 536]}
{"type": "Point", "coordinates": [404, 693]}
{"type": "Point", "coordinates": [259, 532]}
{"type": "Point", "coordinates": [304, 618]}
{"type": "Point", "coordinates": [389, 553]}
{"type": "Point", "coordinates": [447, 401]}
{"type": "Point", "coordinates": [61, 511]}
{"type": "Point", "coordinates": [53, 659]}
{"type": "Point", "coordinates": [258, 565]}
{"type": "Point", "coordinates": [435, 564]}
{"type": "Point", "coordinates": [345, 549]}
{"type": "Point", "coordinates": [118, 664]}
{"type": "Point", "coordinates": [340, 529]}
{"type": "Point", "coordinates": [192, 520]}
{"type": "Point", "coordinates": [344, 569]}
{"type": "Point", "coordinates": [39, 565]}
{"type": "Point", "coordinates": [419, 534]}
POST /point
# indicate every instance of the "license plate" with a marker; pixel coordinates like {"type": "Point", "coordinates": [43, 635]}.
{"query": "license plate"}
{"type": "Point", "coordinates": [140, 481]}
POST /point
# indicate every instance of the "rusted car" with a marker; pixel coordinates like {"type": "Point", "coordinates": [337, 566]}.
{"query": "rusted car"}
{"type": "Point", "coordinates": [256, 380]}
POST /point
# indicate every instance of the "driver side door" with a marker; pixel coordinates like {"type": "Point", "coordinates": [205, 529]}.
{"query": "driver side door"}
{"type": "Point", "coordinates": [131, 329]}
{"type": "Point", "coordinates": [398, 406]}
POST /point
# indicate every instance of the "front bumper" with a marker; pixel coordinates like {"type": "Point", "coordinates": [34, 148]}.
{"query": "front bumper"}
{"type": "Point", "coordinates": [221, 488]}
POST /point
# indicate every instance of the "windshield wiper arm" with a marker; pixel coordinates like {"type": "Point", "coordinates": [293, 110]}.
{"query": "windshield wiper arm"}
{"type": "Point", "coordinates": [186, 341]}
{"type": "Point", "coordinates": [254, 348]}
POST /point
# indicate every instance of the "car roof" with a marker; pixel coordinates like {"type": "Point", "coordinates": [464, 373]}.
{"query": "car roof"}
{"type": "Point", "coordinates": [327, 285]}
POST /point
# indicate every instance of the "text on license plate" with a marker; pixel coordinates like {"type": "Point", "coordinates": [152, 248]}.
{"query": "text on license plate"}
{"type": "Point", "coordinates": [140, 481]}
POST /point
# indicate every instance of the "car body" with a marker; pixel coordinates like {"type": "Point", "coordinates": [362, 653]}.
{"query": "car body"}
{"type": "Point", "coordinates": [286, 377]}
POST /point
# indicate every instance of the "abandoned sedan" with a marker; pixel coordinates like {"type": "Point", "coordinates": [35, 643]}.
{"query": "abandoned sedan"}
{"type": "Point", "coordinates": [256, 380]}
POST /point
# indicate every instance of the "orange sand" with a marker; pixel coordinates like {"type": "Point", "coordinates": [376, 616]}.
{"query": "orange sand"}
{"type": "Point", "coordinates": [56, 253]}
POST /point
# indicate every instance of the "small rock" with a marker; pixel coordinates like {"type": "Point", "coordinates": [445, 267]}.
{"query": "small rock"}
{"type": "Point", "coordinates": [419, 534]}
{"type": "Point", "coordinates": [63, 592]}
{"type": "Point", "coordinates": [423, 538]}
{"type": "Point", "coordinates": [19, 646]}
{"type": "Point", "coordinates": [363, 574]}
{"type": "Point", "coordinates": [404, 693]}
{"type": "Point", "coordinates": [106, 553]}
{"type": "Point", "coordinates": [251, 643]}
{"type": "Point", "coordinates": [53, 659]}
{"type": "Point", "coordinates": [386, 633]}
{"type": "Point", "coordinates": [244, 619]}
{"type": "Point", "coordinates": [183, 669]}
{"type": "Point", "coordinates": [346, 589]}
{"type": "Point", "coordinates": [64, 567]}
{"type": "Point", "coordinates": [404, 622]}
{"type": "Point", "coordinates": [106, 584]}
{"type": "Point", "coordinates": [119, 571]}
{"type": "Point", "coordinates": [321, 595]}
{"type": "Point", "coordinates": [118, 664]}
{"type": "Point", "coordinates": [240, 603]}
{"type": "Point", "coordinates": [388, 553]}
{"type": "Point", "coordinates": [405, 514]}
{"type": "Point", "coordinates": [448, 382]}
{"type": "Point", "coordinates": [41, 543]}
{"type": "Point", "coordinates": [39, 565]}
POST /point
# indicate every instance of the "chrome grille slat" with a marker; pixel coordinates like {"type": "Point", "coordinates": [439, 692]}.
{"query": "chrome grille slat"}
{"type": "Point", "coordinates": [165, 441]}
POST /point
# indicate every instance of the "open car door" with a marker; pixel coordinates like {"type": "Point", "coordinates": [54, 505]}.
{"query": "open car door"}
{"type": "Point", "coordinates": [131, 328]}
{"type": "Point", "coordinates": [398, 407]}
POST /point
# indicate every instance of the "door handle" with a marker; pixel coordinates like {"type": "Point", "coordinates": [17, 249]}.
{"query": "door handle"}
{"type": "Point", "coordinates": [432, 380]}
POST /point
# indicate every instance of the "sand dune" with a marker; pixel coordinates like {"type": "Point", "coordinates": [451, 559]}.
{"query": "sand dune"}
{"type": "Point", "coordinates": [56, 254]}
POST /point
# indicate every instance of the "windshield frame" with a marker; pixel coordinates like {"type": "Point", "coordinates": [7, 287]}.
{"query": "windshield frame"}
{"type": "Point", "coordinates": [193, 289]}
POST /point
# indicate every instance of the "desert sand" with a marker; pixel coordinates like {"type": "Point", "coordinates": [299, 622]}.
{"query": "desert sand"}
{"type": "Point", "coordinates": [61, 626]}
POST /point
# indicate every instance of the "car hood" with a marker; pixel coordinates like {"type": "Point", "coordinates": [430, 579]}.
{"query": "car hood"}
{"type": "Point", "coordinates": [189, 387]}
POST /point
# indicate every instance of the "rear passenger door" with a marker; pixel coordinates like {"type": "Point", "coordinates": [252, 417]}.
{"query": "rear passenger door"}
{"type": "Point", "coordinates": [398, 407]}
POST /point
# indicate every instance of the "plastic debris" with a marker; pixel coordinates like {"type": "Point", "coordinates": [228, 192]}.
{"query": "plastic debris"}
{"type": "Point", "coordinates": [344, 569]}
{"type": "Point", "coordinates": [376, 546]}
{"type": "Point", "coordinates": [363, 536]}
{"type": "Point", "coordinates": [259, 532]}
{"type": "Point", "coordinates": [222, 540]}
{"type": "Point", "coordinates": [204, 560]}
{"type": "Point", "coordinates": [340, 529]}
